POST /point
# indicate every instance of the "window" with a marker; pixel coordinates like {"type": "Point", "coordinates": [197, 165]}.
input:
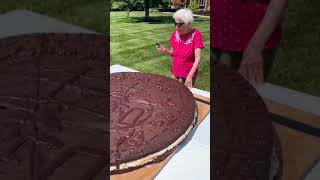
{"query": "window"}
{"type": "Point", "coordinates": [201, 2]}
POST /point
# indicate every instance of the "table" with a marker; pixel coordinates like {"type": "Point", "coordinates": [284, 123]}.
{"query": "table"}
{"type": "Point", "coordinates": [193, 160]}
{"type": "Point", "coordinates": [25, 22]}
{"type": "Point", "coordinates": [314, 173]}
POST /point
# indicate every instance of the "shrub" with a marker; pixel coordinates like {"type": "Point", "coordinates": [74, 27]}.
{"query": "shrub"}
{"type": "Point", "coordinates": [136, 5]}
{"type": "Point", "coordinates": [119, 6]}
{"type": "Point", "coordinates": [194, 6]}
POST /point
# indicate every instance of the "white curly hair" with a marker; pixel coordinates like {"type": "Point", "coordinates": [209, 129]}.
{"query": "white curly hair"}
{"type": "Point", "coordinates": [185, 15]}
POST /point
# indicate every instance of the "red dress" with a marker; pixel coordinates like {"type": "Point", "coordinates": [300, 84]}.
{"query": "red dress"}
{"type": "Point", "coordinates": [183, 56]}
{"type": "Point", "coordinates": [234, 22]}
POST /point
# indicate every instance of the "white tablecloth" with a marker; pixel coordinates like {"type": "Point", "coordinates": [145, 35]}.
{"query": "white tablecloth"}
{"type": "Point", "coordinates": [19, 22]}
{"type": "Point", "coordinates": [192, 162]}
{"type": "Point", "coordinates": [314, 173]}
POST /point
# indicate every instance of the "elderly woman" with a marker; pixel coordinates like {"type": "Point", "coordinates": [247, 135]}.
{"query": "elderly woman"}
{"type": "Point", "coordinates": [186, 44]}
{"type": "Point", "coordinates": [245, 35]}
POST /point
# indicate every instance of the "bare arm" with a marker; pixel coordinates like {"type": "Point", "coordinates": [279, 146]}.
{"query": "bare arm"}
{"type": "Point", "coordinates": [168, 52]}
{"type": "Point", "coordinates": [252, 61]}
{"type": "Point", "coordinates": [273, 16]}
{"type": "Point", "coordinates": [195, 66]}
{"type": "Point", "coordinates": [196, 62]}
{"type": "Point", "coordinates": [164, 50]}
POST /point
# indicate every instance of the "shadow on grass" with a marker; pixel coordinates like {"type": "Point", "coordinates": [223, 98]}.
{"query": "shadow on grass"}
{"type": "Point", "coordinates": [155, 20]}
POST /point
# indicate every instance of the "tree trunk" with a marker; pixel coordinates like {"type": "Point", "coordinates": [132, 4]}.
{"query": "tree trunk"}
{"type": "Point", "coordinates": [146, 9]}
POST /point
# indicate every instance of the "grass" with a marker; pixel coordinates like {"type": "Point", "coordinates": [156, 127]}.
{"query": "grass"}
{"type": "Point", "coordinates": [297, 65]}
{"type": "Point", "coordinates": [133, 44]}
{"type": "Point", "coordinates": [90, 14]}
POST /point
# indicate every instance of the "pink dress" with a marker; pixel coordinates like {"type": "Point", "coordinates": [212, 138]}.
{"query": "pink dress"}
{"type": "Point", "coordinates": [183, 56]}
{"type": "Point", "coordinates": [233, 23]}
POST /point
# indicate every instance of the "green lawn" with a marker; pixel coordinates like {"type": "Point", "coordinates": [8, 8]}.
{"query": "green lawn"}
{"type": "Point", "coordinates": [133, 44]}
{"type": "Point", "coordinates": [298, 62]}
{"type": "Point", "coordinates": [91, 14]}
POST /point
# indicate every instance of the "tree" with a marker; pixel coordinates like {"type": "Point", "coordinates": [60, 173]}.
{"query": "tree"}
{"type": "Point", "coordinates": [146, 10]}
{"type": "Point", "coordinates": [152, 3]}
{"type": "Point", "coordinates": [135, 4]}
{"type": "Point", "coordinates": [165, 3]}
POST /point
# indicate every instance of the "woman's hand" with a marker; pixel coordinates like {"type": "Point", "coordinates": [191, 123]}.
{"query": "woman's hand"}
{"type": "Point", "coordinates": [161, 49]}
{"type": "Point", "coordinates": [252, 61]}
{"type": "Point", "coordinates": [188, 82]}
{"type": "Point", "coordinates": [195, 65]}
{"type": "Point", "coordinates": [251, 67]}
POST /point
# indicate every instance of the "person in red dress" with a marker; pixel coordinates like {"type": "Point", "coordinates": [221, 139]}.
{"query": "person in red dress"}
{"type": "Point", "coordinates": [186, 44]}
{"type": "Point", "coordinates": [245, 35]}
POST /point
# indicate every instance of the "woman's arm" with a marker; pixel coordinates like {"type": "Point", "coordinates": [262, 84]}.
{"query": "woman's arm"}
{"type": "Point", "coordinates": [164, 50]}
{"type": "Point", "coordinates": [273, 16]}
{"type": "Point", "coordinates": [195, 66]}
{"type": "Point", "coordinates": [252, 61]}
{"type": "Point", "coordinates": [168, 52]}
{"type": "Point", "coordinates": [196, 62]}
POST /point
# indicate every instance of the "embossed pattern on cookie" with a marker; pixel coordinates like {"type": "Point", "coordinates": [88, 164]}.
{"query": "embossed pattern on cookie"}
{"type": "Point", "coordinates": [150, 116]}
{"type": "Point", "coordinates": [52, 121]}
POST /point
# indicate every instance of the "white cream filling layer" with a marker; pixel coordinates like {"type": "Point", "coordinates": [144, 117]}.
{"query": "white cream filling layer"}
{"type": "Point", "coordinates": [153, 156]}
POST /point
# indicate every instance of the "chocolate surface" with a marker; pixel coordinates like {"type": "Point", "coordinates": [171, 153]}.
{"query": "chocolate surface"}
{"type": "Point", "coordinates": [148, 113]}
{"type": "Point", "coordinates": [53, 100]}
{"type": "Point", "coordinates": [242, 129]}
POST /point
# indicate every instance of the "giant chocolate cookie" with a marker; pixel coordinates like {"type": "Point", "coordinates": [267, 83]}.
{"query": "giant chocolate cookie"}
{"type": "Point", "coordinates": [150, 116]}
{"type": "Point", "coordinates": [53, 104]}
{"type": "Point", "coordinates": [242, 130]}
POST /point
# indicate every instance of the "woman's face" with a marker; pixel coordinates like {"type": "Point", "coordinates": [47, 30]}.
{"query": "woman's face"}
{"type": "Point", "coordinates": [181, 26]}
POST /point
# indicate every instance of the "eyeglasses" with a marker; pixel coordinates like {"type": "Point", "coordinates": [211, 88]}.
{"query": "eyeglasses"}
{"type": "Point", "coordinates": [179, 24]}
